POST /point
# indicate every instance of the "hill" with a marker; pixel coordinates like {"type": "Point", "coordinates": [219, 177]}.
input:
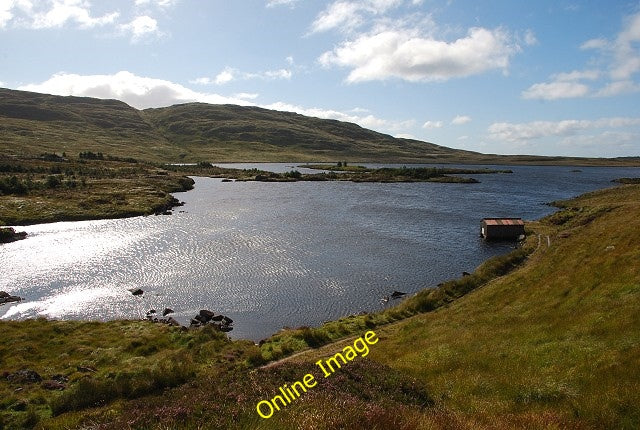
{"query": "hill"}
{"type": "Point", "coordinates": [33, 123]}
{"type": "Point", "coordinates": [554, 343]}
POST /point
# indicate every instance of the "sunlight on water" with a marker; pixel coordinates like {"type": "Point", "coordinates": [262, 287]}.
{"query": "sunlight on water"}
{"type": "Point", "coordinates": [273, 255]}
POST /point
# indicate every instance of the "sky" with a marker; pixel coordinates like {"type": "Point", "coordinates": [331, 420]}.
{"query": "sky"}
{"type": "Point", "coordinates": [559, 77]}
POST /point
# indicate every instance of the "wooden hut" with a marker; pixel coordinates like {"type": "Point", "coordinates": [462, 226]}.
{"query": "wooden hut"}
{"type": "Point", "coordinates": [501, 228]}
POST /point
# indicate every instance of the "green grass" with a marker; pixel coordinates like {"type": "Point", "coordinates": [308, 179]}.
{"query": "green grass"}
{"type": "Point", "coordinates": [36, 190]}
{"type": "Point", "coordinates": [545, 337]}
{"type": "Point", "coordinates": [32, 124]}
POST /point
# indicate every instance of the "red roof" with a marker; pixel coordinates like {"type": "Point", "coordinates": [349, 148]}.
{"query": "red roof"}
{"type": "Point", "coordinates": [503, 221]}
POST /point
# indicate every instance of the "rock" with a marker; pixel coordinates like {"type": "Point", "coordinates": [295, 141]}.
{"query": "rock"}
{"type": "Point", "coordinates": [227, 320]}
{"type": "Point", "coordinates": [27, 376]}
{"type": "Point", "coordinates": [60, 378]}
{"type": "Point", "coordinates": [172, 321]}
{"type": "Point", "coordinates": [217, 318]}
{"type": "Point", "coordinates": [195, 323]}
{"type": "Point", "coordinates": [8, 235]}
{"type": "Point", "coordinates": [86, 369]}
{"type": "Point", "coordinates": [397, 294]}
{"type": "Point", "coordinates": [53, 385]}
{"type": "Point", "coordinates": [136, 291]}
{"type": "Point", "coordinates": [167, 311]}
{"type": "Point", "coordinates": [8, 298]}
{"type": "Point", "coordinates": [466, 274]}
{"type": "Point", "coordinates": [227, 180]}
{"type": "Point", "coordinates": [225, 328]}
{"type": "Point", "coordinates": [205, 316]}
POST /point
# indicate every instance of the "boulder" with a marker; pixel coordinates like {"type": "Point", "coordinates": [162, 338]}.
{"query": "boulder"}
{"type": "Point", "coordinates": [167, 311]}
{"type": "Point", "coordinates": [172, 321]}
{"type": "Point", "coordinates": [136, 291]}
{"type": "Point", "coordinates": [24, 376]}
{"type": "Point", "coordinates": [397, 294]}
{"type": "Point", "coordinates": [8, 298]}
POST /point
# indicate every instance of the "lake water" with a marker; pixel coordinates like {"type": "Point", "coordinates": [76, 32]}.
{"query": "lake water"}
{"type": "Point", "coordinates": [277, 254]}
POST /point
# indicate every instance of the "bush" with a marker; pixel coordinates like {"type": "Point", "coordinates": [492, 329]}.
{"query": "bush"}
{"type": "Point", "coordinates": [91, 392]}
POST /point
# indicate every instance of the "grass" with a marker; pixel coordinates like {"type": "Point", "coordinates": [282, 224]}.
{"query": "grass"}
{"type": "Point", "coordinates": [37, 190]}
{"type": "Point", "coordinates": [32, 124]}
{"type": "Point", "coordinates": [545, 337]}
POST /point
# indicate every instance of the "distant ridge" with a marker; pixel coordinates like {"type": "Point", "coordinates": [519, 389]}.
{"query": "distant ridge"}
{"type": "Point", "coordinates": [34, 123]}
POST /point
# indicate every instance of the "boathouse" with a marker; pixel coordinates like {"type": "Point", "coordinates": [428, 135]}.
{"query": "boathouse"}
{"type": "Point", "coordinates": [501, 228]}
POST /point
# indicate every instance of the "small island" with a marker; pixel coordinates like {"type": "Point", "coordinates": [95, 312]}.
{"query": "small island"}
{"type": "Point", "coordinates": [343, 172]}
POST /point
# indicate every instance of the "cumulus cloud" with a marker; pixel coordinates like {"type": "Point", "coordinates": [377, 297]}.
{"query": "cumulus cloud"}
{"type": "Point", "coordinates": [518, 132]}
{"type": "Point", "coordinates": [137, 91]}
{"type": "Point", "coordinates": [141, 27]}
{"type": "Point", "coordinates": [460, 119]}
{"type": "Point", "coordinates": [224, 77]}
{"type": "Point", "coordinates": [408, 55]}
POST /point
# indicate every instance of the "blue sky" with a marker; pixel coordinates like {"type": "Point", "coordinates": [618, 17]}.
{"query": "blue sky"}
{"type": "Point", "coordinates": [554, 77]}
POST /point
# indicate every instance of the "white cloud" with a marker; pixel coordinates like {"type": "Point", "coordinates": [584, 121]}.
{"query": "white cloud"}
{"type": "Point", "coordinates": [408, 55]}
{"type": "Point", "coordinates": [594, 44]}
{"type": "Point", "coordinates": [229, 74]}
{"type": "Point", "coordinates": [60, 12]}
{"type": "Point", "coordinates": [159, 3]}
{"type": "Point", "coordinates": [460, 119]}
{"type": "Point", "coordinates": [618, 87]}
{"type": "Point", "coordinates": [622, 57]}
{"type": "Point", "coordinates": [224, 77]}
{"type": "Point", "coordinates": [519, 132]}
{"type": "Point", "coordinates": [278, 74]}
{"type": "Point", "coordinates": [348, 15]}
{"type": "Point", "coordinates": [432, 124]}
{"type": "Point", "coordinates": [274, 3]}
{"type": "Point", "coordinates": [137, 91]}
{"type": "Point", "coordinates": [555, 90]}
{"type": "Point", "coordinates": [201, 81]}
{"type": "Point", "coordinates": [246, 96]}
{"type": "Point", "coordinates": [577, 75]}
{"type": "Point", "coordinates": [141, 27]}
{"type": "Point", "coordinates": [6, 14]}
{"type": "Point", "coordinates": [2, 84]}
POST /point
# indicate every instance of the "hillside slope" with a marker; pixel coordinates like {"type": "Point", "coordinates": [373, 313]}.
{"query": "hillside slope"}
{"type": "Point", "coordinates": [552, 344]}
{"type": "Point", "coordinates": [32, 124]}
{"type": "Point", "coordinates": [251, 133]}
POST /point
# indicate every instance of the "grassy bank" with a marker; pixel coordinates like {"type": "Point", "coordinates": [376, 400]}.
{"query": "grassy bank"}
{"type": "Point", "coordinates": [53, 188]}
{"type": "Point", "coordinates": [551, 340]}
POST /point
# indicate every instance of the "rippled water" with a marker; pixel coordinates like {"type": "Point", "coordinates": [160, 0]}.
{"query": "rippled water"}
{"type": "Point", "coordinates": [276, 254]}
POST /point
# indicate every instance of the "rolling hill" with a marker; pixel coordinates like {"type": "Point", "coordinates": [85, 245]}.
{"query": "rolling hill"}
{"type": "Point", "coordinates": [33, 123]}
